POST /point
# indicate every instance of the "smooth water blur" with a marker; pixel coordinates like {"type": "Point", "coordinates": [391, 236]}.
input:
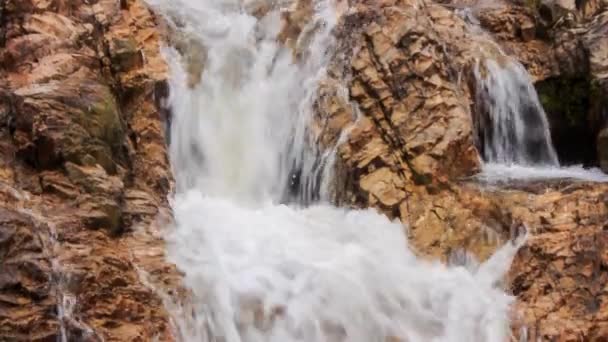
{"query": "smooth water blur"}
{"type": "Point", "coordinates": [242, 132]}
{"type": "Point", "coordinates": [514, 126]}
{"type": "Point", "coordinates": [514, 133]}
{"type": "Point", "coordinates": [261, 268]}
{"type": "Point", "coordinates": [275, 273]}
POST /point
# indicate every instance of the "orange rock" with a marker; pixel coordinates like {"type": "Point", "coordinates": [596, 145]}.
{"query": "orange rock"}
{"type": "Point", "coordinates": [82, 163]}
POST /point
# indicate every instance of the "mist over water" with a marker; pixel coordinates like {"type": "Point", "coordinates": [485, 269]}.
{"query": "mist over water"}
{"type": "Point", "coordinates": [268, 259]}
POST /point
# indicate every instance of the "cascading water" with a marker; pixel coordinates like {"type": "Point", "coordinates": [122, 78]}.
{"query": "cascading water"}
{"type": "Point", "coordinates": [514, 134]}
{"type": "Point", "coordinates": [260, 270]}
{"type": "Point", "coordinates": [254, 102]}
{"type": "Point", "coordinates": [513, 123]}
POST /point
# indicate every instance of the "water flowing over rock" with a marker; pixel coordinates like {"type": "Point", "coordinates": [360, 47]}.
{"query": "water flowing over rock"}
{"type": "Point", "coordinates": [377, 167]}
{"type": "Point", "coordinates": [264, 268]}
{"type": "Point", "coordinates": [560, 42]}
{"type": "Point", "coordinates": [331, 170]}
{"type": "Point", "coordinates": [512, 123]}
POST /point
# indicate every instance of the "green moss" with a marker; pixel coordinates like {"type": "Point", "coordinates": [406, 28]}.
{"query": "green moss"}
{"type": "Point", "coordinates": [532, 4]}
{"type": "Point", "coordinates": [101, 118]}
{"type": "Point", "coordinates": [567, 98]}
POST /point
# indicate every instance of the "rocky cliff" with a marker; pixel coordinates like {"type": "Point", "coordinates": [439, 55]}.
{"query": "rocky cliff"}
{"type": "Point", "coordinates": [84, 172]}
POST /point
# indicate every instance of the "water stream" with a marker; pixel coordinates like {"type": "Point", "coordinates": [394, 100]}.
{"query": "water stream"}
{"type": "Point", "coordinates": [263, 268]}
{"type": "Point", "coordinates": [514, 125]}
{"type": "Point", "coordinates": [514, 133]}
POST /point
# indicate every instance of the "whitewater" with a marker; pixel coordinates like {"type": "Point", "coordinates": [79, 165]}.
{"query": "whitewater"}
{"type": "Point", "coordinates": [267, 260]}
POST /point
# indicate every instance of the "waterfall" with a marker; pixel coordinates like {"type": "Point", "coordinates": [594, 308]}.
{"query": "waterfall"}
{"type": "Point", "coordinates": [514, 127]}
{"type": "Point", "coordinates": [515, 140]}
{"type": "Point", "coordinates": [261, 268]}
{"type": "Point", "coordinates": [250, 138]}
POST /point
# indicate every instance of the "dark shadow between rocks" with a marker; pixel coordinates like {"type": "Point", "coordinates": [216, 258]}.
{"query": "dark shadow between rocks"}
{"type": "Point", "coordinates": [571, 105]}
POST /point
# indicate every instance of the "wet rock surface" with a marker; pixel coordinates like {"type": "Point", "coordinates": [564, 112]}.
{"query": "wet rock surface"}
{"type": "Point", "coordinates": [410, 152]}
{"type": "Point", "coordinates": [84, 172]}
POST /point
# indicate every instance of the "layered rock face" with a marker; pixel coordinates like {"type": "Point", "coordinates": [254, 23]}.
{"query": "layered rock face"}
{"type": "Point", "coordinates": [83, 172]}
{"type": "Point", "coordinates": [410, 148]}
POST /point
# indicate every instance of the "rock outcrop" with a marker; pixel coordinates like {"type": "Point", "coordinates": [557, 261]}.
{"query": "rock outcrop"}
{"type": "Point", "coordinates": [410, 151]}
{"type": "Point", "coordinates": [83, 172]}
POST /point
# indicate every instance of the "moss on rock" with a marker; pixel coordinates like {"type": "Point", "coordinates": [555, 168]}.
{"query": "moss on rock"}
{"type": "Point", "coordinates": [569, 104]}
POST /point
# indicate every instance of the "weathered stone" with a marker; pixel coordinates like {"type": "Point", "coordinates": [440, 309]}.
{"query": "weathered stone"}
{"type": "Point", "coordinates": [553, 10]}
{"type": "Point", "coordinates": [57, 183]}
{"type": "Point", "coordinates": [76, 95]}
{"type": "Point", "coordinates": [98, 212]}
{"type": "Point", "coordinates": [412, 144]}
{"type": "Point", "coordinates": [94, 180]}
{"type": "Point", "coordinates": [125, 54]}
{"type": "Point", "coordinates": [27, 298]}
{"type": "Point", "coordinates": [528, 31]}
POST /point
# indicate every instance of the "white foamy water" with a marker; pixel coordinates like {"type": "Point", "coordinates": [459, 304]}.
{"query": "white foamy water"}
{"type": "Point", "coordinates": [260, 270]}
{"type": "Point", "coordinates": [496, 173]}
{"type": "Point", "coordinates": [275, 273]}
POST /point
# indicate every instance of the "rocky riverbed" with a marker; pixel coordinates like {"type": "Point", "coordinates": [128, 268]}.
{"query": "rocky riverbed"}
{"type": "Point", "coordinates": [85, 175]}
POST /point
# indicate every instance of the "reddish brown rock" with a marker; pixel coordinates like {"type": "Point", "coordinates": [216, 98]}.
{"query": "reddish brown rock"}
{"type": "Point", "coordinates": [84, 173]}
{"type": "Point", "coordinates": [411, 145]}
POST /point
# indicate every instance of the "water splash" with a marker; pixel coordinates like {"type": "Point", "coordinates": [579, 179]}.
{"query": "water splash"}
{"type": "Point", "coordinates": [276, 273]}
{"type": "Point", "coordinates": [260, 270]}
{"type": "Point", "coordinates": [500, 173]}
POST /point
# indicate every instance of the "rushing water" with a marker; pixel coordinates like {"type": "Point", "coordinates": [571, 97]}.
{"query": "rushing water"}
{"type": "Point", "coordinates": [514, 133]}
{"type": "Point", "coordinates": [515, 136]}
{"type": "Point", "coordinates": [263, 266]}
{"type": "Point", "coordinates": [514, 126]}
